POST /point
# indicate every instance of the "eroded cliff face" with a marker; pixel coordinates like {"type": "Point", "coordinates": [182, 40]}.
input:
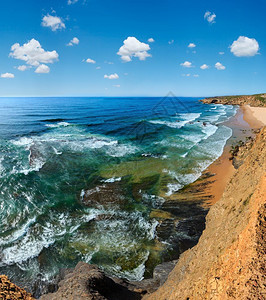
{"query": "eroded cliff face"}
{"type": "Point", "coordinates": [229, 260]}
{"type": "Point", "coordinates": [9, 291]}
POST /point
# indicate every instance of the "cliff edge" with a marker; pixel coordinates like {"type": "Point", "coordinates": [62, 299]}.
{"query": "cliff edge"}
{"type": "Point", "coordinates": [229, 260]}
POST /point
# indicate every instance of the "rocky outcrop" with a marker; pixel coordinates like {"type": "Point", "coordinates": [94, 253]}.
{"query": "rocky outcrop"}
{"type": "Point", "coordinates": [88, 282]}
{"type": "Point", "coordinates": [258, 100]}
{"type": "Point", "coordinates": [229, 260]}
{"type": "Point", "coordinates": [9, 291]}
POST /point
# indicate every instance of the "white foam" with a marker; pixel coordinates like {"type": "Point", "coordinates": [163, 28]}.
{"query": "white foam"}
{"type": "Point", "coordinates": [60, 124]}
{"type": "Point", "coordinates": [18, 233]}
{"type": "Point", "coordinates": [111, 180]}
{"type": "Point", "coordinates": [172, 188]}
{"type": "Point", "coordinates": [177, 123]}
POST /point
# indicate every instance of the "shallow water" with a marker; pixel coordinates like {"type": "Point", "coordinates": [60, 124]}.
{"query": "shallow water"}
{"type": "Point", "coordinates": [56, 152]}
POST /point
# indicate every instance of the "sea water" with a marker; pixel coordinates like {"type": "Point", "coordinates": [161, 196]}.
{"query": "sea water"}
{"type": "Point", "coordinates": [55, 152]}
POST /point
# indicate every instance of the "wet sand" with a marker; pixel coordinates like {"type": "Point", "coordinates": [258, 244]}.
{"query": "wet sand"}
{"type": "Point", "coordinates": [243, 125]}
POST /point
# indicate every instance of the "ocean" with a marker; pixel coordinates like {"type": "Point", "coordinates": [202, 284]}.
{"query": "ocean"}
{"type": "Point", "coordinates": [79, 178]}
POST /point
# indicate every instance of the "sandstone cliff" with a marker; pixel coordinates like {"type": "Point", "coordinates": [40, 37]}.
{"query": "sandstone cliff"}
{"type": "Point", "coordinates": [252, 100]}
{"type": "Point", "coordinates": [229, 260]}
{"type": "Point", "coordinates": [9, 291]}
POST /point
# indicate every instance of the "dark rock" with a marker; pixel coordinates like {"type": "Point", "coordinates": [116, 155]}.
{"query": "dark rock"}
{"type": "Point", "coordinates": [105, 194]}
{"type": "Point", "coordinates": [89, 282]}
{"type": "Point", "coordinates": [162, 271]}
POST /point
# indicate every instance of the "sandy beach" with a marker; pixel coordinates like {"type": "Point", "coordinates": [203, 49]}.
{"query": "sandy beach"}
{"type": "Point", "coordinates": [255, 116]}
{"type": "Point", "coordinates": [243, 123]}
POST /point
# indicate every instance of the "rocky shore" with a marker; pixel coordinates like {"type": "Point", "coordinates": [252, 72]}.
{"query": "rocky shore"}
{"type": "Point", "coordinates": [258, 100]}
{"type": "Point", "coordinates": [229, 260]}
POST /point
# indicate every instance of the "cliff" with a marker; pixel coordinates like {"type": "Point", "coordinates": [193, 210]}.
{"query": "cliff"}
{"type": "Point", "coordinates": [229, 260]}
{"type": "Point", "coordinates": [9, 290]}
{"type": "Point", "coordinates": [258, 100]}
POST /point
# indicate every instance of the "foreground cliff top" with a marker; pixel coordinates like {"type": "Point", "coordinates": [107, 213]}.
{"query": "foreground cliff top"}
{"type": "Point", "coordinates": [257, 100]}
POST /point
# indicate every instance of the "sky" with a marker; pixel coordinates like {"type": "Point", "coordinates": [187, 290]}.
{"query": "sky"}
{"type": "Point", "coordinates": [132, 47]}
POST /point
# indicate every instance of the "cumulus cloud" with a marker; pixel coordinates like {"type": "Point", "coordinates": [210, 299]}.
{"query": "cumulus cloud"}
{"type": "Point", "coordinates": [191, 45]}
{"type": "Point", "coordinates": [204, 67]}
{"type": "Point", "coordinates": [219, 66]}
{"type": "Point", "coordinates": [186, 64]}
{"type": "Point", "coordinates": [132, 47]}
{"type": "Point", "coordinates": [210, 17]}
{"type": "Point", "coordinates": [245, 46]}
{"type": "Point", "coordinates": [186, 75]}
{"type": "Point", "coordinates": [42, 69]}
{"type": "Point", "coordinates": [33, 53]}
{"type": "Point", "coordinates": [74, 41]}
{"type": "Point", "coordinates": [151, 40]}
{"type": "Point", "coordinates": [90, 61]}
{"type": "Point", "coordinates": [53, 22]}
{"type": "Point", "coordinates": [7, 75]}
{"type": "Point", "coordinates": [22, 68]}
{"type": "Point", "coordinates": [69, 2]}
{"type": "Point", "coordinates": [111, 76]}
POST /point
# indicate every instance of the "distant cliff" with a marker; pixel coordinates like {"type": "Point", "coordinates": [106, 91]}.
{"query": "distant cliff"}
{"type": "Point", "coordinates": [229, 260]}
{"type": "Point", "coordinates": [253, 100]}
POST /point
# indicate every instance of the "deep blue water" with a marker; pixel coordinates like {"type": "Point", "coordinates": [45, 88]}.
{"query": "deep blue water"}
{"type": "Point", "coordinates": [56, 154]}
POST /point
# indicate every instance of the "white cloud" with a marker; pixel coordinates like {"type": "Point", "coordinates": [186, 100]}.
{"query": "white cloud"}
{"type": "Point", "coordinates": [74, 41]}
{"type": "Point", "coordinates": [186, 64]}
{"type": "Point", "coordinates": [221, 53]}
{"type": "Point", "coordinates": [186, 75]}
{"type": "Point", "coordinates": [219, 66]}
{"type": "Point", "coordinates": [33, 53]}
{"type": "Point", "coordinates": [196, 75]}
{"type": "Point", "coordinates": [53, 22]}
{"type": "Point", "coordinates": [7, 75]}
{"type": "Point", "coordinates": [90, 61]}
{"type": "Point", "coordinates": [98, 68]}
{"type": "Point", "coordinates": [22, 68]}
{"type": "Point", "coordinates": [151, 40]}
{"type": "Point", "coordinates": [171, 42]}
{"type": "Point", "coordinates": [191, 45]}
{"type": "Point", "coordinates": [116, 85]}
{"type": "Point", "coordinates": [42, 69]}
{"type": "Point", "coordinates": [204, 67]}
{"type": "Point", "coordinates": [69, 2]}
{"type": "Point", "coordinates": [132, 47]}
{"type": "Point", "coordinates": [245, 46]}
{"type": "Point", "coordinates": [210, 17]}
{"type": "Point", "coordinates": [111, 76]}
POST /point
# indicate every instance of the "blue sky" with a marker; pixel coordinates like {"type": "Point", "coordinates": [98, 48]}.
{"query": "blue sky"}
{"type": "Point", "coordinates": [48, 66]}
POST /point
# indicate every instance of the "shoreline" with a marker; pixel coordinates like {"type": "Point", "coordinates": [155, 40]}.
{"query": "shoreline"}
{"type": "Point", "coordinates": [243, 124]}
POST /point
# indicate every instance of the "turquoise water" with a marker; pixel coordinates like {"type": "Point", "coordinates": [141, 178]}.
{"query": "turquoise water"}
{"type": "Point", "coordinates": [79, 177]}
